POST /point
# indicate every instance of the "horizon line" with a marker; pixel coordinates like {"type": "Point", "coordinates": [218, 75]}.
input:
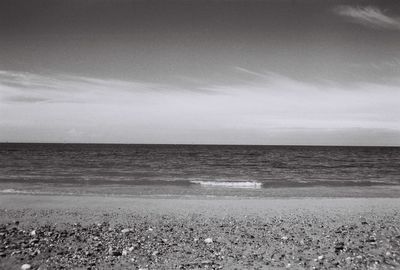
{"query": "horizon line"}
{"type": "Point", "coordinates": [205, 144]}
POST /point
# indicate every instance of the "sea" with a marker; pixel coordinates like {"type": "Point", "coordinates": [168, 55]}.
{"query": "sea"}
{"type": "Point", "coordinates": [199, 170]}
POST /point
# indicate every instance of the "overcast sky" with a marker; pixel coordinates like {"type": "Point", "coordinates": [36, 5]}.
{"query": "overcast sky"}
{"type": "Point", "coordinates": [200, 71]}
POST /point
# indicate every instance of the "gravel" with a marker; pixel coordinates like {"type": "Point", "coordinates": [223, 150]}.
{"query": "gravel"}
{"type": "Point", "coordinates": [291, 240]}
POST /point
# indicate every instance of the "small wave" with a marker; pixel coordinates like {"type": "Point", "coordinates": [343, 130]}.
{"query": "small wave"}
{"type": "Point", "coordinates": [11, 190]}
{"type": "Point", "coordinates": [41, 192]}
{"type": "Point", "coordinates": [18, 191]}
{"type": "Point", "coordinates": [225, 184]}
{"type": "Point", "coordinates": [326, 183]}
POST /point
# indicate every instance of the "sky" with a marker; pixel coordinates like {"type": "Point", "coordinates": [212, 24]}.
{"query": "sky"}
{"type": "Point", "coordinates": [291, 72]}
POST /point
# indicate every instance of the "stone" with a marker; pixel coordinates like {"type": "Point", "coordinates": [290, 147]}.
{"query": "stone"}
{"type": "Point", "coordinates": [363, 221]}
{"type": "Point", "coordinates": [34, 241]}
{"type": "Point", "coordinates": [115, 253]}
{"type": "Point", "coordinates": [32, 233]}
{"type": "Point", "coordinates": [25, 266]}
{"type": "Point", "coordinates": [208, 240]}
{"type": "Point", "coordinates": [339, 246]}
{"type": "Point", "coordinates": [126, 230]}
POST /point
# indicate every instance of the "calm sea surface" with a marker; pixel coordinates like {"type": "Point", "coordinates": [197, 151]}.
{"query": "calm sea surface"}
{"type": "Point", "coordinates": [192, 169]}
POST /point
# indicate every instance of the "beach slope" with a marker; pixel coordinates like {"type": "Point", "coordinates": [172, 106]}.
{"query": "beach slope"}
{"type": "Point", "coordinates": [100, 232]}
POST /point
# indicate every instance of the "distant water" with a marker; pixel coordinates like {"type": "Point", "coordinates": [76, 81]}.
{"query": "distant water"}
{"type": "Point", "coordinates": [192, 169]}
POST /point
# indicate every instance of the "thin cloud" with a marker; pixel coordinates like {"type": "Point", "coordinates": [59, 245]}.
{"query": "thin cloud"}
{"type": "Point", "coordinates": [24, 87]}
{"type": "Point", "coordinates": [33, 88]}
{"type": "Point", "coordinates": [369, 16]}
{"type": "Point", "coordinates": [250, 72]}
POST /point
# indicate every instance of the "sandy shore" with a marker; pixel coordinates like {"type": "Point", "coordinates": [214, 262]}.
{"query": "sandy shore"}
{"type": "Point", "coordinates": [49, 232]}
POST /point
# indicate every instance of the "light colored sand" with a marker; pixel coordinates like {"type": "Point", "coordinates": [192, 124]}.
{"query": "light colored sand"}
{"type": "Point", "coordinates": [392, 191]}
{"type": "Point", "coordinates": [97, 206]}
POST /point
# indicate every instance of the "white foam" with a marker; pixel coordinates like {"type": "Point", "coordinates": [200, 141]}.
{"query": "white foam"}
{"type": "Point", "coordinates": [246, 184]}
{"type": "Point", "coordinates": [11, 190]}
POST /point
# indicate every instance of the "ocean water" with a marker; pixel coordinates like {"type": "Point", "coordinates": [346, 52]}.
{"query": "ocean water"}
{"type": "Point", "coordinates": [198, 169]}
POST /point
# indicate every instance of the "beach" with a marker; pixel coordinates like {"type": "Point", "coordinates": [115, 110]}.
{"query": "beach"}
{"type": "Point", "coordinates": [199, 134]}
{"type": "Point", "coordinates": [102, 232]}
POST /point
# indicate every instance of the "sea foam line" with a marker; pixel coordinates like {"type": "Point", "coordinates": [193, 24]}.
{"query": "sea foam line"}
{"type": "Point", "coordinates": [243, 184]}
{"type": "Point", "coordinates": [11, 190]}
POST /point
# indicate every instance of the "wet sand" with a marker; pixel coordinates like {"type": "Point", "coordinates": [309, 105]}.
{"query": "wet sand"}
{"type": "Point", "coordinates": [96, 232]}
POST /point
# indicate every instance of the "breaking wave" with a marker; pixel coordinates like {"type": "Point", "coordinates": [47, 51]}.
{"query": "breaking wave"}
{"type": "Point", "coordinates": [14, 191]}
{"type": "Point", "coordinates": [225, 184]}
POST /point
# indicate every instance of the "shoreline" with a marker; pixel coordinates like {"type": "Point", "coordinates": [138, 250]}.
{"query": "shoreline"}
{"type": "Point", "coordinates": [168, 191]}
{"type": "Point", "coordinates": [124, 201]}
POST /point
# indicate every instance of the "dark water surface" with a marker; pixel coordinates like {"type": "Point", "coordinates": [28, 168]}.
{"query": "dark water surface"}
{"type": "Point", "coordinates": [201, 167]}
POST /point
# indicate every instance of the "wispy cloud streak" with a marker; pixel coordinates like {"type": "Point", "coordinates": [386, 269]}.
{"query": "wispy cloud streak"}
{"type": "Point", "coordinates": [33, 88]}
{"type": "Point", "coordinates": [369, 16]}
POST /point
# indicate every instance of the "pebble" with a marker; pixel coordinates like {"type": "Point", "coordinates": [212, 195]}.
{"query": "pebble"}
{"type": "Point", "coordinates": [32, 233]}
{"type": "Point", "coordinates": [114, 252]}
{"type": "Point", "coordinates": [25, 266]}
{"type": "Point", "coordinates": [208, 240]}
{"type": "Point", "coordinates": [363, 221]}
{"type": "Point", "coordinates": [339, 246]}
